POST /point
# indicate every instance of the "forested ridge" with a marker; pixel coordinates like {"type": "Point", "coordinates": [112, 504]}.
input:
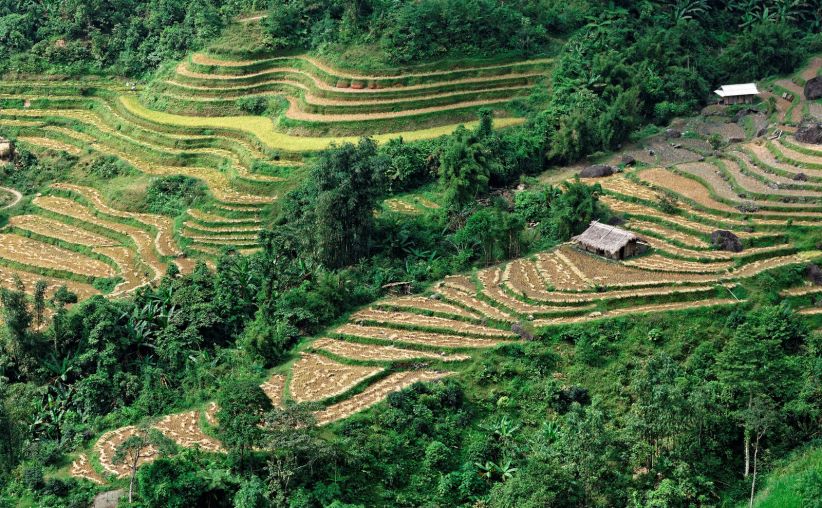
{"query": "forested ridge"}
{"type": "Point", "coordinates": [687, 408]}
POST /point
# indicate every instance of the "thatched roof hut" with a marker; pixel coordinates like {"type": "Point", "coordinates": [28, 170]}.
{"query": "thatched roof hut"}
{"type": "Point", "coordinates": [609, 241]}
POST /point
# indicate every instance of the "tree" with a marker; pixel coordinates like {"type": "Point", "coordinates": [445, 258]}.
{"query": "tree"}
{"type": "Point", "coordinates": [290, 437]}
{"type": "Point", "coordinates": [752, 366]}
{"type": "Point", "coordinates": [492, 233]}
{"type": "Point", "coordinates": [16, 312]}
{"type": "Point", "coordinates": [467, 163]}
{"type": "Point", "coordinates": [574, 209]}
{"type": "Point", "coordinates": [759, 418]}
{"type": "Point", "coordinates": [39, 301]}
{"type": "Point", "coordinates": [242, 406]}
{"type": "Point", "coordinates": [334, 211]}
{"type": "Point", "coordinates": [143, 444]}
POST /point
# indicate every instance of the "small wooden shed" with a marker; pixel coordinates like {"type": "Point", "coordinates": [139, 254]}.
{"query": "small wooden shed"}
{"type": "Point", "coordinates": [609, 241]}
{"type": "Point", "coordinates": [743, 93]}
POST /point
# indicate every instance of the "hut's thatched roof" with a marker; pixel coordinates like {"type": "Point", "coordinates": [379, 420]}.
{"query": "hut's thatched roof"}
{"type": "Point", "coordinates": [604, 237]}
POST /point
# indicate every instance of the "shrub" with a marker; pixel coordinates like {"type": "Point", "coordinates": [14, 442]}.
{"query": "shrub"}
{"type": "Point", "coordinates": [172, 195]}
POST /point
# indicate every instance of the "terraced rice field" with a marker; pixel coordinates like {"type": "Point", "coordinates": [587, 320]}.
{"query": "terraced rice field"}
{"type": "Point", "coordinates": [74, 238]}
{"type": "Point", "coordinates": [752, 189]}
{"type": "Point", "coordinates": [315, 378]}
{"type": "Point", "coordinates": [246, 161]}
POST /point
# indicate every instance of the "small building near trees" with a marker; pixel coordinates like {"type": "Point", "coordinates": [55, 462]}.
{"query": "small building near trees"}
{"type": "Point", "coordinates": [609, 241]}
{"type": "Point", "coordinates": [737, 94]}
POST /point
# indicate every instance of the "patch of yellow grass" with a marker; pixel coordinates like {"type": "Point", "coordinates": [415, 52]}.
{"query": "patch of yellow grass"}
{"type": "Point", "coordinates": [263, 128]}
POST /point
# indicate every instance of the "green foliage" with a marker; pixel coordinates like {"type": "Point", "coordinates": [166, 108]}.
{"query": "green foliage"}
{"type": "Point", "coordinates": [407, 32]}
{"type": "Point", "coordinates": [410, 164]}
{"type": "Point", "coordinates": [127, 37]}
{"type": "Point", "coordinates": [491, 234]}
{"type": "Point", "coordinates": [748, 59]}
{"type": "Point", "coordinates": [29, 173]}
{"type": "Point", "coordinates": [574, 209]}
{"type": "Point", "coordinates": [107, 167]}
{"type": "Point", "coordinates": [173, 194]}
{"type": "Point", "coordinates": [333, 210]}
{"type": "Point", "coordinates": [466, 164]}
{"type": "Point", "coordinates": [242, 405]}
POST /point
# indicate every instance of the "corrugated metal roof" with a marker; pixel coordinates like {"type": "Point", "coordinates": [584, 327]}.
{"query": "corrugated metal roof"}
{"type": "Point", "coordinates": [735, 90]}
{"type": "Point", "coordinates": [605, 237]}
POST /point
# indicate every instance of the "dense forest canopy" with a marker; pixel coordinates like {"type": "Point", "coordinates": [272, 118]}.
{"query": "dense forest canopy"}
{"type": "Point", "coordinates": [646, 411]}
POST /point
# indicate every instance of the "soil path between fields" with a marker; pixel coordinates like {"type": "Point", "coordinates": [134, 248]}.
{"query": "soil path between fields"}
{"type": "Point", "coordinates": [16, 194]}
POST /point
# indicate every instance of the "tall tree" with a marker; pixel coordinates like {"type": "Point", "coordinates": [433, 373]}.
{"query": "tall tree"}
{"type": "Point", "coordinates": [242, 407]}
{"type": "Point", "coordinates": [334, 210]}
{"type": "Point", "coordinates": [143, 444]}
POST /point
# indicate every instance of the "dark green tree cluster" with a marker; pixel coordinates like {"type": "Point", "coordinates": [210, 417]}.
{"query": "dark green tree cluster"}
{"type": "Point", "coordinates": [406, 32]}
{"type": "Point", "coordinates": [122, 36]}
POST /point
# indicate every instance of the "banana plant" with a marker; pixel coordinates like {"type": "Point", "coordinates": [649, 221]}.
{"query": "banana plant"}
{"type": "Point", "coordinates": [689, 9]}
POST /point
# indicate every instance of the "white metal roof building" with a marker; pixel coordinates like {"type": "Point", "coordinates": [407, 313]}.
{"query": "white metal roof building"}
{"type": "Point", "coordinates": [735, 94]}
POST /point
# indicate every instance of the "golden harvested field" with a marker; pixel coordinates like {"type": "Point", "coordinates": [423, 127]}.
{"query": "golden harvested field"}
{"type": "Point", "coordinates": [273, 388]}
{"type": "Point", "coordinates": [60, 230]}
{"type": "Point", "coordinates": [399, 337]}
{"type": "Point", "coordinates": [556, 273]}
{"type": "Point", "coordinates": [20, 249]}
{"type": "Point", "coordinates": [50, 144]}
{"type": "Point", "coordinates": [409, 319]}
{"type": "Point", "coordinates": [469, 300]}
{"type": "Point", "coordinates": [656, 262]}
{"type": "Point", "coordinates": [315, 377]}
{"type": "Point", "coordinates": [29, 279]}
{"type": "Point", "coordinates": [107, 445]}
{"type": "Point", "coordinates": [145, 243]}
{"type": "Point", "coordinates": [691, 189]}
{"type": "Point", "coordinates": [642, 309]}
{"type": "Point", "coordinates": [493, 288]}
{"type": "Point", "coordinates": [81, 468]}
{"type": "Point", "coordinates": [641, 226]}
{"type": "Point", "coordinates": [371, 352]}
{"type": "Point", "coordinates": [164, 239]}
{"type": "Point", "coordinates": [424, 304]}
{"type": "Point", "coordinates": [184, 429]}
{"type": "Point", "coordinates": [375, 393]}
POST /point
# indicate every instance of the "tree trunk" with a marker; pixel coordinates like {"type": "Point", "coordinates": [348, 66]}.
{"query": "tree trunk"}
{"type": "Point", "coordinates": [747, 440]}
{"type": "Point", "coordinates": [753, 478]}
{"type": "Point", "coordinates": [131, 487]}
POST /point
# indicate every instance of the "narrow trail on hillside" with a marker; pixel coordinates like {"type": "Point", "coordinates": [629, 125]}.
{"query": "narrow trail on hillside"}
{"type": "Point", "coordinates": [17, 197]}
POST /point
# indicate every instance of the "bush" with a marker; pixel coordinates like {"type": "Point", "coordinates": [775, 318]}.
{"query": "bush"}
{"type": "Point", "coordinates": [172, 195]}
{"type": "Point", "coordinates": [108, 167]}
